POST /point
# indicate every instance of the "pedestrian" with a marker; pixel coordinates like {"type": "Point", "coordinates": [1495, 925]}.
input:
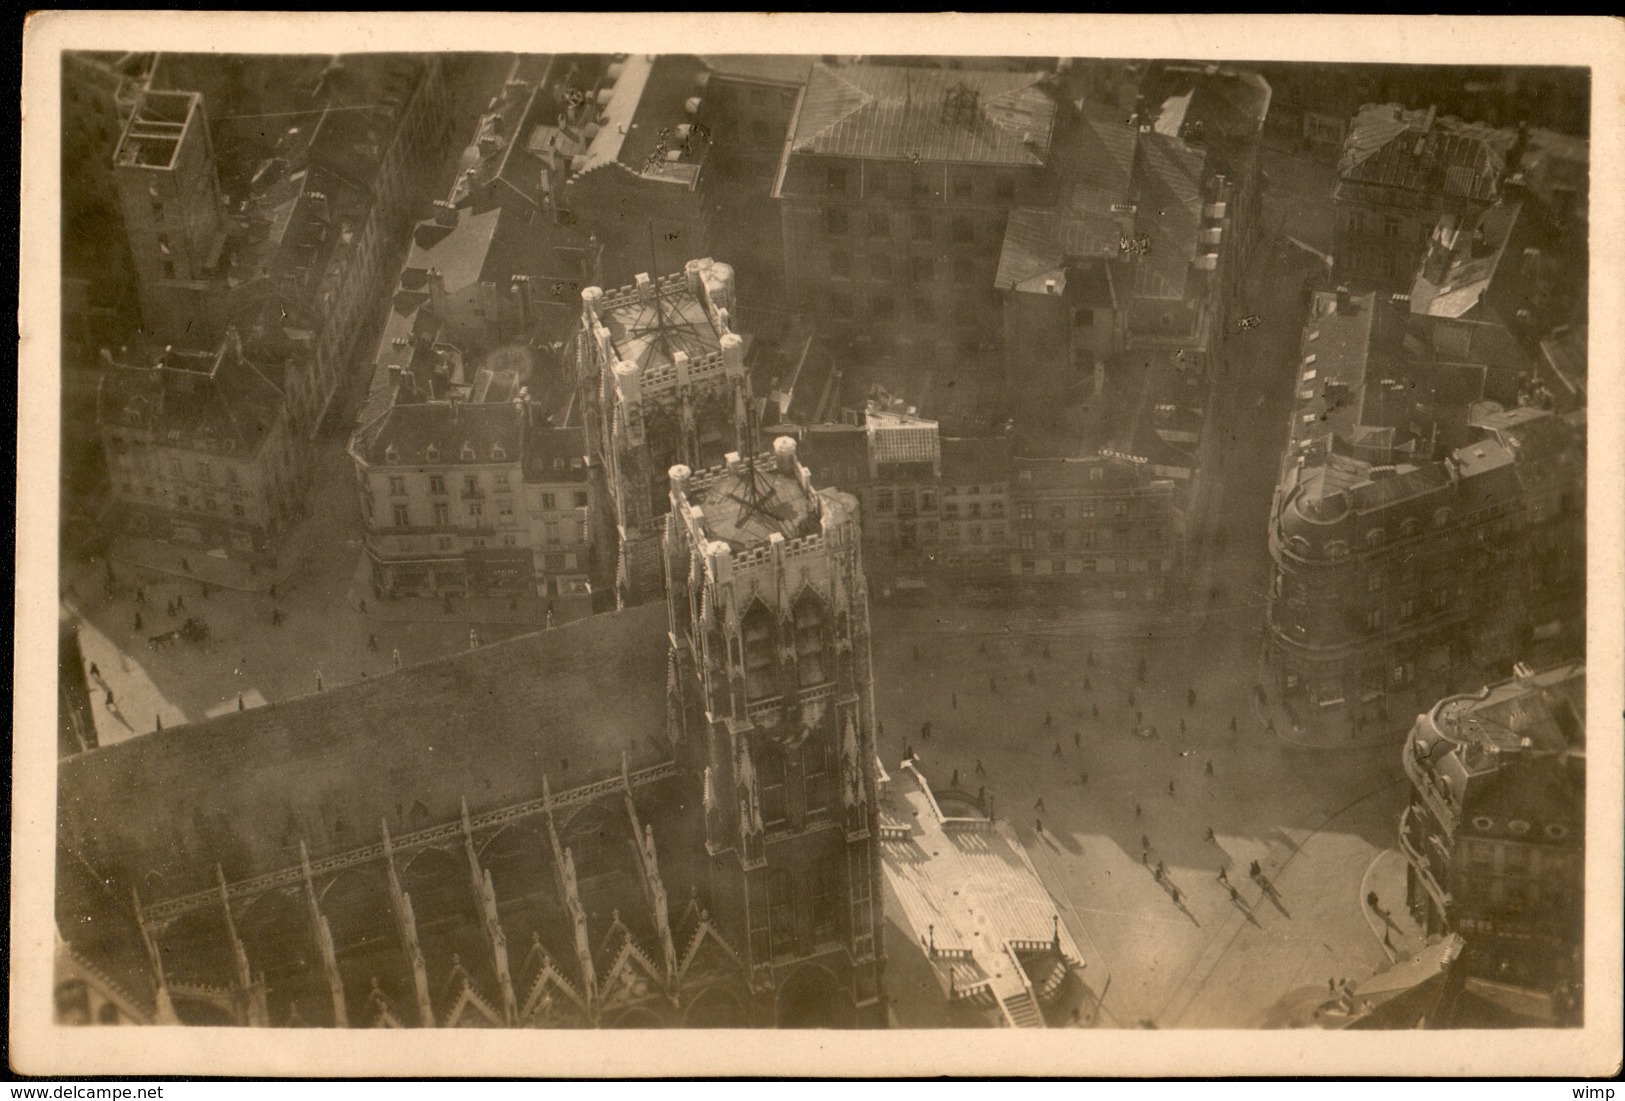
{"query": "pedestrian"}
{"type": "Point", "coordinates": [138, 621]}
{"type": "Point", "coordinates": [1234, 897]}
{"type": "Point", "coordinates": [273, 590]}
{"type": "Point", "coordinates": [185, 565]}
{"type": "Point", "coordinates": [141, 595]}
{"type": "Point", "coordinates": [1223, 877]}
{"type": "Point", "coordinates": [1038, 824]}
{"type": "Point", "coordinates": [993, 684]}
{"type": "Point", "coordinates": [395, 656]}
{"type": "Point", "coordinates": [1174, 893]}
{"type": "Point", "coordinates": [473, 639]}
{"type": "Point", "coordinates": [180, 601]}
{"type": "Point", "coordinates": [1039, 806]}
{"type": "Point", "coordinates": [953, 698]}
{"type": "Point", "coordinates": [158, 723]}
{"type": "Point", "coordinates": [276, 617]}
{"type": "Point", "coordinates": [1085, 780]}
{"type": "Point", "coordinates": [203, 587]}
{"type": "Point", "coordinates": [980, 771]}
{"type": "Point", "coordinates": [1140, 673]}
{"type": "Point", "coordinates": [1131, 697]}
{"type": "Point", "coordinates": [1371, 901]}
{"type": "Point", "coordinates": [1057, 752]}
{"type": "Point", "coordinates": [1049, 719]}
{"type": "Point", "coordinates": [1087, 686]}
{"type": "Point", "coordinates": [240, 705]}
{"type": "Point", "coordinates": [95, 672]}
{"type": "Point", "coordinates": [1077, 739]}
{"type": "Point", "coordinates": [955, 781]}
{"type": "Point", "coordinates": [1139, 718]}
{"type": "Point", "coordinates": [1270, 724]}
{"type": "Point", "coordinates": [908, 751]}
{"type": "Point", "coordinates": [1046, 649]}
{"type": "Point", "coordinates": [109, 698]}
{"type": "Point", "coordinates": [1145, 856]}
{"type": "Point", "coordinates": [1190, 697]}
{"type": "Point", "coordinates": [1254, 870]}
{"type": "Point", "coordinates": [363, 607]}
{"type": "Point", "coordinates": [1161, 870]}
{"type": "Point", "coordinates": [1137, 811]}
{"type": "Point", "coordinates": [1170, 787]}
{"type": "Point", "coordinates": [1182, 726]}
{"type": "Point", "coordinates": [1331, 986]}
{"type": "Point", "coordinates": [1094, 711]}
{"type": "Point", "coordinates": [1145, 842]}
{"type": "Point", "coordinates": [319, 680]}
{"type": "Point", "coordinates": [1032, 677]}
{"type": "Point", "coordinates": [169, 607]}
{"type": "Point", "coordinates": [1090, 659]}
{"type": "Point", "coordinates": [925, 730]}
{"type": "Point", "coordinates": [1210, 836]}
{"type": "Point", "coordinates": [982, 649]}
{"type": "Point", "coordinates": [1232, 724]}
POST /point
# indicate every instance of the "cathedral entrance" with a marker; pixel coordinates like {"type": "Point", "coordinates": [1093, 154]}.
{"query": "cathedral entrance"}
{"type": "Point", "coordinates": [812, 998]}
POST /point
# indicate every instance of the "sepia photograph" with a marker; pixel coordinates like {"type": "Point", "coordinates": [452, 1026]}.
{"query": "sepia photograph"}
{"type": "Point", "coordinates": [555, 537]}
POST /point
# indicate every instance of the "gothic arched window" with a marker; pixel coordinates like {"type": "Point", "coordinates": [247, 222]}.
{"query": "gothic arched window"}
{"type": "Point", "coordinates": [761, 662]}
{"type": "Point", "coordinates": [775, 804]}
{"type": "Point", "coordinates": [810, 650]}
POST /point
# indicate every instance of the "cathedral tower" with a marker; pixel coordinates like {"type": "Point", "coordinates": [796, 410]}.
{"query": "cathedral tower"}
{"type": "Point", "coordinates": [771, 679]}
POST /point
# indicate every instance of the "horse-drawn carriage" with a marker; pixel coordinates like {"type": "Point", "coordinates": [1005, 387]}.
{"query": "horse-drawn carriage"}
{"type": "Point", "coordinates": [193, 630]}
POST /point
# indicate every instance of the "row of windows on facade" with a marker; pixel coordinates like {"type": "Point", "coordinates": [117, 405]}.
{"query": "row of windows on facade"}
{"type": "Point", "coordinates": [206, 502]}
{"type": "Point", "coordinates": [1408, 528]}
{"type": "Point", "coordinates": [1025, 510]}
{"type": "Point", "coordinates": [401, 514]}
{"type": "Point", "coordinates": [966, 312]}
{"type": "Point", "coordinates": [907, 534]}
{"type": "Point", "coordinates": [432, 453]}
{"type": "Point", "coordinates": [881, 225]}
{"type": "Point", "coordinates": [920, 182]}
{"type": "Point", "coordinates": [203, 469]}
{"type": "Point", "coordinates": [447, 543]}
{"type": "Point", "coordinates": [1092, 565]}
{"type": "Point", "coordinates": [474, 487]}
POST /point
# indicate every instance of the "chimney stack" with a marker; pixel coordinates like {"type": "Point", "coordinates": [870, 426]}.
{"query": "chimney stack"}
{"type": "Point", "coordinates": [1345, 302]}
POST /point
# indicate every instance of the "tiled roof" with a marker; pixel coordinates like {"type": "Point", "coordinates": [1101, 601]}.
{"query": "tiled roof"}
{"type": "Point", "coordinates": [1456, 276]}
{"type": "Point", "coordinates": [897, 113]}
{"type": "Point", "coordinates": [485, 725]}
{"type": "Point", "coordinates": [458, 251]}
{"type": "Point", "coordinates": [1168, 183]}
{"type": "Point", "coordinates": [214, 401]}
{"type": "Point", "coordinates": [1392, 147]}
{"type": "Point", "coordinates": [412, 430]}
{"type": "Point", "coordinates": [761, 68]}
{"type": "Point", "coordinates": [555, 455]}
{"type": "Point", "coordinates": [1039, 243]}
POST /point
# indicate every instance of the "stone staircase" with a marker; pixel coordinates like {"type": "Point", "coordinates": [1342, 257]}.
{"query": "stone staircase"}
{"type": "Point", "coordinates": [1020, 1011]}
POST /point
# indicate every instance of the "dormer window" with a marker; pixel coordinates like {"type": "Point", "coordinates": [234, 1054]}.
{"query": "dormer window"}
{"type": "Point", "coordinates": [1375, 537]}
{"type": "Point", "coordinates": [498, 453]}
{"type": "Point", "coordinates": [1441, 517]}
{"type": "Point", "coordinates": [432, 453]}
{"type": "Point", "coordinates": [391, 455]}
{"type": "Point", "coordinates": [468, 452]}
{"type": "Point", "coordinates": [1336, 549]}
